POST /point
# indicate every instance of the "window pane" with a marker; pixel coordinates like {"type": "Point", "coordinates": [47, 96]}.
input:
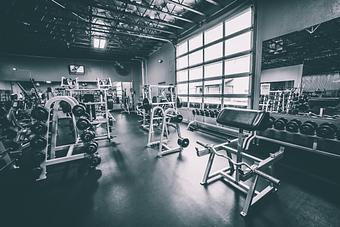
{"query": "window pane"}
{"type": "Point", "coordinates": [196, 88]}
{"type": "Point", "coordinates": [238, 44]}
{"type": "Point", "coordinates": [213, 34]}
{"type": "Point", "coordinates": [182, 89]}
{"type": "Point", "coordinates": [213, 100]}
{"type": "Point", "coordinates": [196, 57]}
{"type": "Point", "coordinates": [182, 48]}
{"type": "Point", "coordinates": [196, 73]}
{"type": "Point", "coordinates": [236, 102]}
{"type": "Point", "coordinates": [182, 62]}
{"type": "Point", "coordinates": [182, 75]}
{"type": "Point", "coordinates": [213, 52]}
{"type": "Point", "coordinates": [213, 87]}
{"type": "Point", "coordinates": [196, 42]}
{"type": "Point", "coordinates": [184, 100]}
{"type": "Point", "coordinates": [236, 85]}
{"type": "Point", "coordinates": [213, 70]}
{"type": "Point", "coordinates": [195, 100]}
{"type": "Point", "coordinates": [238, 23]}
{"type": "Point", "coordinates": [237, 65]}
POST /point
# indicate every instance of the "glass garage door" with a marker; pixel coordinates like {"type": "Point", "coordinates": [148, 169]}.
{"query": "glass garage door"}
{"type": "Point", "coordinates": [215, 66]}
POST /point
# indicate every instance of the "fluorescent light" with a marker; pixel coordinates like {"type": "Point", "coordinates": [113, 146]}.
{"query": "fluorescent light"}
{"type": "Point", "coordinates": [14, 69]}
{"type": "Point", "coordinates": [99, 43]}
{"type": "Point", "coordinates": [102, 43]}
{"type": "Point", "coordinates": [96, 43]}
{"type": "Point", "coordinates": [48, 81]}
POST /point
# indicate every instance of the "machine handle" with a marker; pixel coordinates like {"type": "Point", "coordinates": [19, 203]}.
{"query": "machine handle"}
{"type": "Point", "coordinates": [202, 144]}
{"type": "Point", "coordinates": [268, 177]}
{"type": "Point", "coordinates": [202, 152]}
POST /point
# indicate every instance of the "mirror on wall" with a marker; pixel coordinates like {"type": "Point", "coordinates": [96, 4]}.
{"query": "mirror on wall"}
{"type": "Point", "coordinates": [301, 71]}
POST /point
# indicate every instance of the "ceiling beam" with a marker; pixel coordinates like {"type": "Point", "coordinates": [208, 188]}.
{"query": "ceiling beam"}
{"type": "Point", "coordinates": [148, 7]}
{"type": "Point", "coordinates": [134, 34]}
{"type": "Point", "coordinates": [106, 26]}
{"type": "Point", "coordinates": [133, 15]}
{"type": "Point", "coordinates": [213, 2]}
{"type": "Point", "coordinates": [185, 7]}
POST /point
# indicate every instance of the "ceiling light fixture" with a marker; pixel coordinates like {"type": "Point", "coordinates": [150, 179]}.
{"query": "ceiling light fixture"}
{"type": "Point", "coordinates": [99, 43]}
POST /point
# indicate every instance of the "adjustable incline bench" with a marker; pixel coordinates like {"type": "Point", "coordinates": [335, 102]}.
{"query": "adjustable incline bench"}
{"type": "Point", "coordinates": [238, 170]}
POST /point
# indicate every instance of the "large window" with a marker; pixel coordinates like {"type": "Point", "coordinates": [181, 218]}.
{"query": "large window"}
{"type": "Point", "coordinates": [215, 66]}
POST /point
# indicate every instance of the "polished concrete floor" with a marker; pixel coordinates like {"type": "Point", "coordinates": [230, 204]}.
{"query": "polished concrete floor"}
{"type": "Point", "coordinates": [133, 188]}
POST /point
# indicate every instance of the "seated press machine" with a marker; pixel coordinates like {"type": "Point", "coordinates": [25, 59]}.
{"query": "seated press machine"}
{"type": "Point", "coordinates": [239, 171]}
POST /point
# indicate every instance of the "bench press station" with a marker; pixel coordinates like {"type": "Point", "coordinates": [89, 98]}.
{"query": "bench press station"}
{"type": "Point", "coordinates": [238, 170]}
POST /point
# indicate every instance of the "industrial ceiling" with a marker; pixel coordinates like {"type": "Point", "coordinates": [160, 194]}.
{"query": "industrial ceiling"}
{"type": "Point", "coordinates": [131, 28]}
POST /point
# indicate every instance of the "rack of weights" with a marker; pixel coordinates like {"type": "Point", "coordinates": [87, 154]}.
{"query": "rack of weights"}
{"type": "Point", "coordinates": [317, 135]}
{"type": "Point", "coordinates": [284, 101]}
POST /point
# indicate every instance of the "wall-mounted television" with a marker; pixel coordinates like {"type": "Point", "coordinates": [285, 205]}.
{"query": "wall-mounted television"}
{"type": "Point", "coordinates": [76, 69]}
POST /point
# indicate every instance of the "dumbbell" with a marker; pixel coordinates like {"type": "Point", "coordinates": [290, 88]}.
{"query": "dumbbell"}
{"type": "Point", "coordinates": [271, 122]}
{"type": "Point", "coordinates": [36, 172]}
{"type": "Point", "coordinates": [83, 123]}
{"type": "Point", "coordinates": [326, 130]}
{"type": "Point", "coordinates": [197, 111]}
{"type": "Point", "coordinates": [94, 161]}
{"type": "Point", "coordinates": [211, 113]}
{"type": "Point", "coordinates": [39, 113]}
{"type": "Point", "coordinates": [65, 106]}
{"type": "Point", "coordinates": [201, 112]}
{"type": "Point", "coordinates": [206, 113]}
{"type": "Point", "coordinates": [39, 157]}
{"type": "Point", "coordinates": [91, 147]}
{"type": "Point", "coordinates": [193, 112]}
{"type": "Point", "coordinates": [308, 128]}
{"type": "Point", "coordinates": [280, 123]}
{"type": "Point", "coordinates": [87, 135]}
{"type": "Point", "coordinates": [78, 110]}
{"type": "Point", "coordinates": [293, 125]}
{"type": "Point", "coordinates": [39, 128]}
{"type": "Point", "coordinates": [216, 113]}
{"type": "Point", "coordinates": [183, 142]}
{"type": "Point", "coordinates": [38, 142]}
{"type": "Point", "coordinates": [177, 119]}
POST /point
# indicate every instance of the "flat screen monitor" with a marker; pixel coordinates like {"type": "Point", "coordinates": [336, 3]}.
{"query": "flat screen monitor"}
{"type": "Point", "coordinates": [76, 69]}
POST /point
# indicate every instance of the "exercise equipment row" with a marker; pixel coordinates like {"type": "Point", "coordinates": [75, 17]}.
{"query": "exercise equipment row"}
{"type": "Point", "coordinates": [206, 112]}
{"type": "Point", "coordinates": [311, 128]}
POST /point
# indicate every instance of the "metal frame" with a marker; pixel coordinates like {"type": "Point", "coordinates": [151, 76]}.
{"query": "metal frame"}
{"type": "Point", "coordinates": [222, 59]}
{"type": "Point", "coordinates": [232, 174]}
{"type": "Point", "coordinates": [164, 149]}
{"type": "Point", "coordinates": [51, 151]}
{"type": "Point", "coordinates": [147, 93]}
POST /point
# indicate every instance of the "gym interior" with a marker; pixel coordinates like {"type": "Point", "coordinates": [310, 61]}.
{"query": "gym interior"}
{"type": "Point", "coordinates": [170, 113]}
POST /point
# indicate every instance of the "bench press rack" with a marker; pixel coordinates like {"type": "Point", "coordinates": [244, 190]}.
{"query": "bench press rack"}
{"type": "Point", "coordinates": [238, 170]}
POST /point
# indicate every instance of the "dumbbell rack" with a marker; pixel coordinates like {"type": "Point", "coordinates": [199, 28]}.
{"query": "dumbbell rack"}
{"type": "Point", "coordinates": [208, 123]}
{"type": "Point", "coordinates": [102, 102]}
{"type": "Point", "coordinates": [297, 140]}
{"type": "Point", "coordinates": [52, 157]}
{"type": "Point", "coordinates": [164, 149]}
{"type": "Point", "coordinates": [153, 120]}
{"type": "Point", "coordinates": [148, 91]}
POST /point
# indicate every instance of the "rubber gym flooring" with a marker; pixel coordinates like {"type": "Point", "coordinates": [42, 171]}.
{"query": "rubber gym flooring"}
{"type": "Point", "coordinates": [133, 188]}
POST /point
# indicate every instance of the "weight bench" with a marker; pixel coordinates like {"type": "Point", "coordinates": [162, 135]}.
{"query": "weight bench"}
{"type": "Point", "coordinates": [238, 170]}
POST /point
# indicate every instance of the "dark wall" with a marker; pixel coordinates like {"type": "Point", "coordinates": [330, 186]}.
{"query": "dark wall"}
{"type": "Point", "coordinates": [46, 68]}
{"type": "Point", "coordinates": [276, 18]}
{"type": "Point", "coordinates": [161, 72]}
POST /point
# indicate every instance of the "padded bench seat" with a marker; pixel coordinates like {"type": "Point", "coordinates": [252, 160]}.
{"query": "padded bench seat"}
{"type": "Point", "coordinates": [251, 120]}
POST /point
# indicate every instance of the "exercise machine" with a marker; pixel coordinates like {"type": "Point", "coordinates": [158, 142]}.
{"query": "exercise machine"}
{"type": "Point", "coordinates": [239, 170]}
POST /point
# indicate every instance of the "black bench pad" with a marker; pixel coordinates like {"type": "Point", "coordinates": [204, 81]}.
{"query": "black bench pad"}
{"type": "Point", "coordinates": [251, 120]}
